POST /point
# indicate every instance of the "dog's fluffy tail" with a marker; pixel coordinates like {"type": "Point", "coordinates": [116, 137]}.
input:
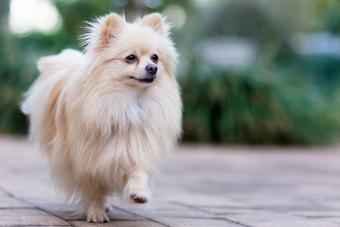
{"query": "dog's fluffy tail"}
{"type": "Point", "coordinates": [52, 69]}
{"type": "Point", "coordinates": [67, 59]}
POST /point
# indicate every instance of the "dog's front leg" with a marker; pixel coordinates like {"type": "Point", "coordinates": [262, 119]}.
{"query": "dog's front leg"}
{"type": "Point", "coordinates": [93, 196]}
{"type": "Point", "coordinates": [137, 186]}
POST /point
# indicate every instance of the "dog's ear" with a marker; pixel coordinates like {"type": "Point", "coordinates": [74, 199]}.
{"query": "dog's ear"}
{"type": "Point", "coordinates": [110, 28]}
{"type": "Point", "coordinates": [102, 32]}
{"type": "Point", "coordinates": [156, 22]}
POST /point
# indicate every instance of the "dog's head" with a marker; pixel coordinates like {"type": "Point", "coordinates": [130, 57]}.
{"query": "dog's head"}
{"type": "Point", "coordinates": [135, 54]}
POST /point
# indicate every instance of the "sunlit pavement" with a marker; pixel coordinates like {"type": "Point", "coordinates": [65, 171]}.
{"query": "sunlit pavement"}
{"type": "Point", "coordinates": [198, 186]}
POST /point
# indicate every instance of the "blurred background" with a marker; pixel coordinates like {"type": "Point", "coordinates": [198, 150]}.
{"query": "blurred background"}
{"type": "Point", "coordinates": [251, 71]}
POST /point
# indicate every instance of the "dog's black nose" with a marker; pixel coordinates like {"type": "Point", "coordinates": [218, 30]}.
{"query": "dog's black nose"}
{"type": "Point", "coordinates": [151, 69]}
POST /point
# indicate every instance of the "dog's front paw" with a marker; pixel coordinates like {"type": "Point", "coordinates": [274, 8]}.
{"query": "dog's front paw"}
{"type": "Point", "coordinates": [96, 215]}
{"type": "Point", "coordinates": [137, 194]}
{"type": "Point", "coordinates": [139, 197]}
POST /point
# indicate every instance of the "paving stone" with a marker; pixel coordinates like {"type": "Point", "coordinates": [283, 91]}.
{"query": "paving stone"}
{"type": "Point", "coordinates": [120, 224]}
{"type": "Point", "coordinates": [7, 201]}
{"type": "Point", "coordinates": [28, 217]}
{"type": "Point", "coordinates": [269, 219]}
{"type": "Point", "coordinates": [198, 222]}
{"type": "Point", "coordinates": [180, 212]}
{"type": "Point", "coordinates": [119, 215]}
{"type": "Point", "coordinates": [199, 199]}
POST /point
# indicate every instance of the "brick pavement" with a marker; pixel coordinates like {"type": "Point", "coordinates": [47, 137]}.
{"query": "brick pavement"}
{"type": "Point", "coordinates": [198, 186]}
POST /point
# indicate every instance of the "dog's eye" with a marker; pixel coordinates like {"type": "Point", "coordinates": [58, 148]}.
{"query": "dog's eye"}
{"type": "Point", "coordinates": [154, 58]}
{"type": "Point", "coordinates": [131, 58]}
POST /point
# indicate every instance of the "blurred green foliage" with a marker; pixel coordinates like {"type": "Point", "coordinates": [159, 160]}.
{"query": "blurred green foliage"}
{"type": "Point", "coordinates": [281, 98]}
{"type": "Point", "coordinates": [256, 107]}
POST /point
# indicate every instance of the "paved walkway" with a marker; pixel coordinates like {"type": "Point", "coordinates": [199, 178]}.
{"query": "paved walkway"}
{"type": "Point", "coordinates": [200, 186]}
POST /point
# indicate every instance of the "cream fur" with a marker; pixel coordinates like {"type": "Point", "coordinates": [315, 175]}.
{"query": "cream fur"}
{"type": "Point", "coordinates": [102, 131]}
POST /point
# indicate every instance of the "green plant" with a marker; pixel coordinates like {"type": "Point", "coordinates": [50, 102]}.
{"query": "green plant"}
{"type": "Point", "coordinates": [255, 107]}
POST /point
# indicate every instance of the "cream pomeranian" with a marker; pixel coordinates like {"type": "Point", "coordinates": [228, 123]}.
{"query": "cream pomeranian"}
{"type": "Point", "coordinates": [106, 117]}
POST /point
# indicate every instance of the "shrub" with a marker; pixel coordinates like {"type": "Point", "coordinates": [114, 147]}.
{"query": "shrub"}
{"type": "Point", "coordinates": [255, 107]}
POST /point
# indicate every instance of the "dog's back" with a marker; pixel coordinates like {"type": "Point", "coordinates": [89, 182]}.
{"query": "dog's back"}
{"type": "Point", "coordinates": [41, 99]}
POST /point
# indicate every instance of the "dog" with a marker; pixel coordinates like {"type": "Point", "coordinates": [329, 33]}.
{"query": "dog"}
{"type": "Point", "coordinates": [105, 117]}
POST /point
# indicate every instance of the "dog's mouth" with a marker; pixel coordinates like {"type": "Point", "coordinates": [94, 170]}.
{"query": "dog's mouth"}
{"type": "Point", "coordinates": [143, 80]}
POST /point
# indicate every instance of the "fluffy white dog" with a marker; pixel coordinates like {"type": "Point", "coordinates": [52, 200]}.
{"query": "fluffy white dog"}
{"type": "Point", "coordinates": [106, 117]}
